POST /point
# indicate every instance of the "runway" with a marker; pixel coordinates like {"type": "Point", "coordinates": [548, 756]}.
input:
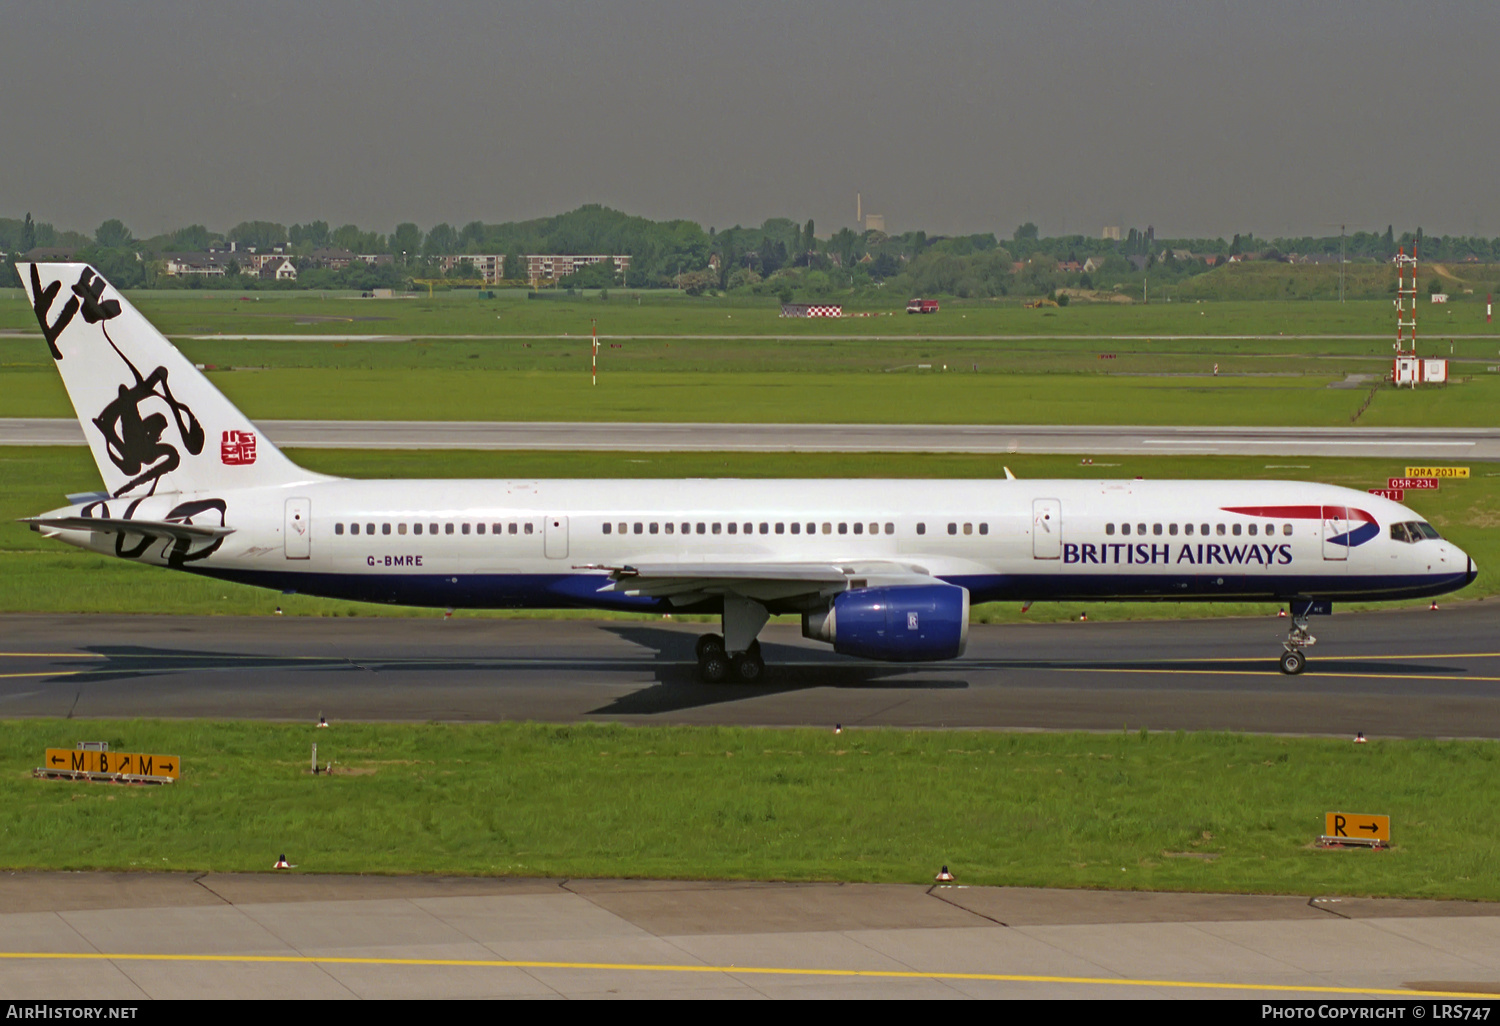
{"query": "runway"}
{"type": "Point", "coordinates": [130, 937]}
{"type": "Point", "coordinates": [1442, 444]}
{"type": "Point", "coordinates": [1408, 673]}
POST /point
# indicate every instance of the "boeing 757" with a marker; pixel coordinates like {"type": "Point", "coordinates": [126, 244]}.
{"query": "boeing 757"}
{"type": "Point", "coordinates": [881, 569]}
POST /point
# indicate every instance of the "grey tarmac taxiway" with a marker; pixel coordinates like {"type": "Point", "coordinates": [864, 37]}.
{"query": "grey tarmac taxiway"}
{"type": "Point", "coordinates": [1411, 443]}
{"type": "Point", "coordinates": [1394, 673]}
{"type": "Point", "coordinates": [130, 937]}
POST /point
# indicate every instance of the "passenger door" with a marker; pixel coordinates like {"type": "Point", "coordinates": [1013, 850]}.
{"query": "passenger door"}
{"type": "Point", "coordinates": [297, 531]}
{"type": "Point", "coordinates": [1046, 529]}
{"type": "Point", "coordinates": [556, 541]}
{"type": "Point", "coordinates": [1336, 524]}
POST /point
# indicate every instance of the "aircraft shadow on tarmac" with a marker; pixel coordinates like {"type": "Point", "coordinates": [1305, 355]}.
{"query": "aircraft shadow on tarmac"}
{"type": "Point", "coordinates": [677, 685]}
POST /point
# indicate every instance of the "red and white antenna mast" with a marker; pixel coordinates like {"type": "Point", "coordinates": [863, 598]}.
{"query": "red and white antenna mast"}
{"type": "Point", "coordinates": [1406, 302]}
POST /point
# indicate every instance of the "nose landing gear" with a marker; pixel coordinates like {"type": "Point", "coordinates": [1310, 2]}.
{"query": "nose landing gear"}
{"type": "Point", "coordinates": [1294, 659]}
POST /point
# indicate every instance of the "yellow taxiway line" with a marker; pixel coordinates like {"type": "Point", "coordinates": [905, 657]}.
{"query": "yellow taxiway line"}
{"type": "Point", "coordinates": [885, 974]}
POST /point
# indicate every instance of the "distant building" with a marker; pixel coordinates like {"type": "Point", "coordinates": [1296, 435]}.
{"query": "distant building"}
{"type": "Point", "coordinates": [875, 223]}
{"type": "Point", "coordinates": [375, 259]}
{"type": "Point", "coordinates": [1111, 232]}
{"type": "Point", "coordinates": [208, 265]}
{"type": "Point", "coordinates": [1093, 263]}
{"type": "Point", "coordinates": [552, 267]}
{"type": "Point", "coordinates": [489, 266]}
{"type": "Point", "coordinates": [48, 255]}
{"type": "Point", "coordinates": [279, 269]}
{"type": "Point", "coordinates": [333, 259]}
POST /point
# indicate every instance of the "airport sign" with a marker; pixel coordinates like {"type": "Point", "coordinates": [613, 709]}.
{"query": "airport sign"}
{"type": "Point", "coordinates": [1413, 484]}
{"type": "Point", "coordinates": [1340, 826]}
{"type": "Point", "coordinates": [74, 760]}
{"type": "Point", "coordinates": [1437, 471]}
{"type": "Point", "coordinates": [1394, 494]}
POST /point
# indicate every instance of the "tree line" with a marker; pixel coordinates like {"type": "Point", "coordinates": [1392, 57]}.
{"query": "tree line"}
{"type": "Point", "coordinates": [782, 256]}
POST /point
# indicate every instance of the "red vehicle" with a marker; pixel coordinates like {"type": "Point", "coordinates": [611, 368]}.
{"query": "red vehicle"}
{"type": "Point", "coordinates": [920, 306]}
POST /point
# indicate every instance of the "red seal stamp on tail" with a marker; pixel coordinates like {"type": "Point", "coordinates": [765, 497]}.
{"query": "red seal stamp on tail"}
{"type": "Point", "coordinates": [238, 448]}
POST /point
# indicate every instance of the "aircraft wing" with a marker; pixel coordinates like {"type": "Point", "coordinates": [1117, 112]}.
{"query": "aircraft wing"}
{"type": "Point", "coordinates": [762, 581]}
{"type": "Point", "coordinates": [119, 525]}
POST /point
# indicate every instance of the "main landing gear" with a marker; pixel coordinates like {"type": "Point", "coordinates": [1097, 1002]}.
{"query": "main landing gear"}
{"type": "Point", "coordinates": [735, 655]}
{"type": "Point", "coordinates": [715, 665]}
{"type": "Point", "coordinates": [1294, 660]}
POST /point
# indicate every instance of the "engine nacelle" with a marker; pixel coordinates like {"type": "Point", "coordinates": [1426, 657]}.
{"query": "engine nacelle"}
{"type": "Point", "coordinates": [906, 624]}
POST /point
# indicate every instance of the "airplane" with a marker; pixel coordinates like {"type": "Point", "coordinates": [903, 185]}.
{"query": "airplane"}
{"type": "Point", "coordinates": [880, 569]}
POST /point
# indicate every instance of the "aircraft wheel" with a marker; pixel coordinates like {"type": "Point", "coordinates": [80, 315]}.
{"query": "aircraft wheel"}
{"type": "Point", "coordinates": [714, 667]}
{"type": "Point", "coordinates": [709, 643]}
{"type": "Point", "coordinates": [748, 667]}
{"type": "Point", "coordinates": [1293, 662]}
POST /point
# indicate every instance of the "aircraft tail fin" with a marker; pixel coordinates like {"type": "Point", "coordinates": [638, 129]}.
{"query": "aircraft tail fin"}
{"type": "Point", "coordinates": [155, 424]}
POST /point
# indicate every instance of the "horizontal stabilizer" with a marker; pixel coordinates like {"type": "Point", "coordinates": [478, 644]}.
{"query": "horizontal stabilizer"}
{"type": "Point", "coordinates": [118, 525]}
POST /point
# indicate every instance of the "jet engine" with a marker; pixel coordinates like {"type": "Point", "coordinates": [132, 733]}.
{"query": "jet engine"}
{"type": "Point", "coordinates": [902, 624]}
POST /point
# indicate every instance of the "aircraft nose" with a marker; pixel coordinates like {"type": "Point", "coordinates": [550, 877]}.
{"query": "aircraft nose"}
{"type": "Point", "coordinates": [1473, 570]}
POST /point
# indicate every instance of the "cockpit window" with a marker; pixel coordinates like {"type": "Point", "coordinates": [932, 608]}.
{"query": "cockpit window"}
{"type": "Point", "coordinates": [1413, 531]}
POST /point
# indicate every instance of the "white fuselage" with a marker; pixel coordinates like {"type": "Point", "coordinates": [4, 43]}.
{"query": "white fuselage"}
{"type": "Point", "coordinates": [547, 544]}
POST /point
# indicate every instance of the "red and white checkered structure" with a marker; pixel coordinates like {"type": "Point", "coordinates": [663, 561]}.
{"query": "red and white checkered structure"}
{"type": "Point", "coordinates": [812, 310]}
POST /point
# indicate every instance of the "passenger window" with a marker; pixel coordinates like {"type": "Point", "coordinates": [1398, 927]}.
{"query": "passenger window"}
{"type": "Point", "coordinates": [369, 529]}
{"type": "Point", "coordinates": [1286, 529]}
{"type": "Point", "coordinates": [1252, 530]}
{"type": "Point", "coordinates": [1140, 528]}
{"type": "Point", "coordinates": [432, 528]}
{"type": "Point", "coordinates": [465, 528]}
{"type": "Point", "coordinates": [702, 528]}
{"type": "Point", "coordinates": [416, 528]}
{"type": "Point", "coordinates": [639, 527]}
{"type": "Point", "coordinates": [717, 528]}
{"type": "Point", "coordinates": [859, 528]}
{"type": "Point", "coordinates": [921, 528]}
{"type": "Point", "coordinates": [528, 529]}
{"type": "Point", "coordinates": [733, 528]}
{"type": "Point", "coordinates": [652, 528]}
{"type": "Point", "coordinates": [1235, 530]}
{"type": "Point", "coordinates": [749, 528]}
{"type": "Point", "coordinates": [1156, 529]}
{"type": "Point", "coordinates": [796, 528]}
{"type": "Point", "coordinates": [1203, 530]}
{"type": "Point", "coordinates": [984, 528]}
{"type": "Point", "coordinates": [827, 528]}
{"type": "Point", "coordinates": [400, 528]}
{"type": "Point", "coordinates": [781, 528]}
{"type": "Point", "coordinates": [968, 529]}
{"type": "Point", "coordinates": [495, 528]}
{"type": "Point", "coordinates": [1172, 529]}
{"type": "Point", "coordinates": [606, 528]}
{"type": "Point", "coordinates": [1218, 529]}
{"type": "Point", "coordinates": [952, 528]}
{"type": "Point", "coordinates": [1187, 529]}
{"type": "Point", "coordinates": [843, 529]}
{"type": "Point", "coordinates": [669, 525]}
{"type": "Point", "coordinates": [1109, 528]}
{"type": "Point", "coordinates": [338, 528]}
{"type": "Point", "coordinates": [765, 528]}
{"type": "Point", "coordinates": [890, 528]}
{"type": "Point", "coordinates": [512, 528]}
{"type": "Point", "coordinates": [1124, 528]}
{"type": "Point", "coordinates": [812, 528]}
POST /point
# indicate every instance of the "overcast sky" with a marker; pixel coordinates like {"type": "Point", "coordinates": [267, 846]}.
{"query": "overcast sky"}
{"type": "Point", "coordinates": [1200, 118]}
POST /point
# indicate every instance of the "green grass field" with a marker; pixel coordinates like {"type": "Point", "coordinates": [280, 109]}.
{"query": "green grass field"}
{"type": "Point", "coordinates": [1009, 388]}
{"type": "Point", "coordinates": [37, 575]}
{"type": "Point", "coordinates": [1202, 812]}
{"type": "Point", "coordinates": [671, 314]}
